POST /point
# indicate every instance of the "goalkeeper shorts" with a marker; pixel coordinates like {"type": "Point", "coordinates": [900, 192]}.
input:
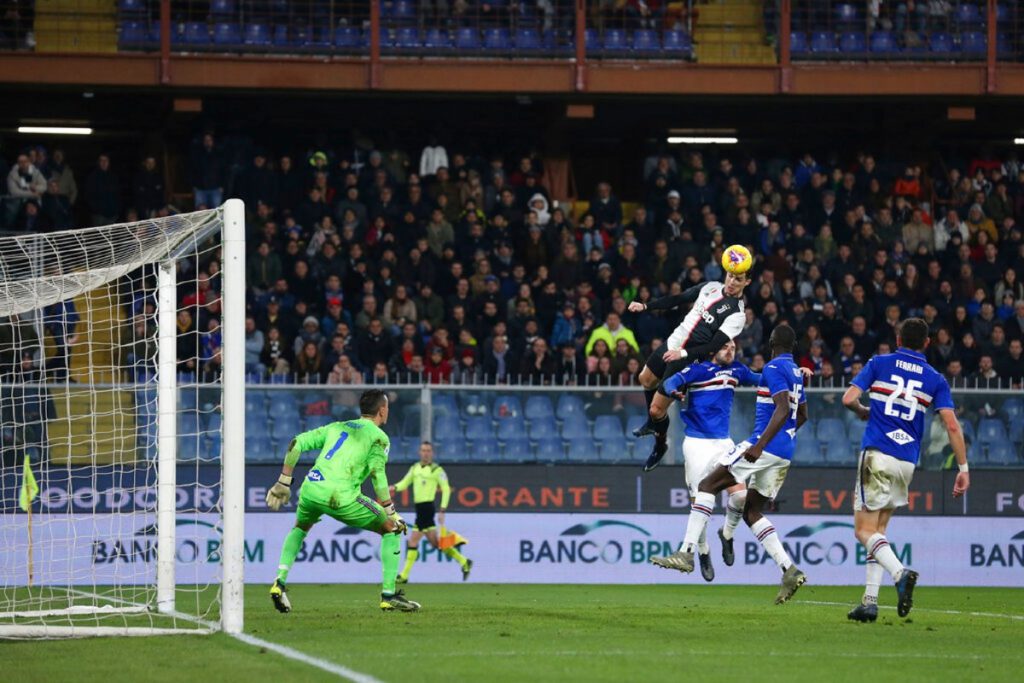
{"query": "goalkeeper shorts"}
{"type": "Point", "coordinates": [361, 512]}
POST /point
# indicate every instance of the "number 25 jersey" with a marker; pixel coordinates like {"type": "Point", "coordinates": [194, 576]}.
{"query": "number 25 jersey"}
{"type": "Point", "coordinates": [901, 386]}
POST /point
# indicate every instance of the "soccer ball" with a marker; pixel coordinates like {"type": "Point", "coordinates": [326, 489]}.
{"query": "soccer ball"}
{"type": "Point", "coordinates": [737, 259]}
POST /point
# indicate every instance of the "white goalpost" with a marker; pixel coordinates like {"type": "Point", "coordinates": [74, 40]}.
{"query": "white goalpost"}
{"type": "Point", "coordinates": [122, 428]}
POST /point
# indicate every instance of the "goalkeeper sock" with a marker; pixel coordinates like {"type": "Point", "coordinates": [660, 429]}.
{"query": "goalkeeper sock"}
{"type": "Point", "coordinates": [700, 512]}
{"type": "Point", "coordinates": [411, 555]}
{"type": "Point", "coordinates": [874, 579]}
{"type": "Point", "coordinates": [390, 549]}
{"type": "Point", "coordinates": [455, 555]}
{"type": "Point", "coordinates": [765, 533]}
{"type": "Point", "coordinates": [292, 545]}
{"type": "Point", "coordinates": [734, 513]}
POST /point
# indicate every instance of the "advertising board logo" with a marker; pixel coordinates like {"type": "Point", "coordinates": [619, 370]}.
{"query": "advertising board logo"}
{"type": "Point", "coordinates": [196, 542]}
{"type": "Point", "coordinates": [1009, 554]}
{"type": "Point", "coordinates": [831, 543]}
{"type": "Point", "coordinates": [347, 544]}
{"type": "Point", "coordinates": [604, 540]}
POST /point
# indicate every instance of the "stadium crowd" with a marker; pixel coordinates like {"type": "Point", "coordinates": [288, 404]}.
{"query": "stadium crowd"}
{"type": "Point", "coordinates": [428, 266]}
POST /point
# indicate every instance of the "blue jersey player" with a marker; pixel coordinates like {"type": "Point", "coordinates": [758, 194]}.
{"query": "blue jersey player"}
{"type": "Point", "coordinates": [901, 387]}
{"type": "Point", "coordinates": [761, 462]}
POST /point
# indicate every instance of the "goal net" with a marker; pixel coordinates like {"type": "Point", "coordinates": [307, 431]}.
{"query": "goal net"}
{"type": "Point", "coordinates": [122, 428]}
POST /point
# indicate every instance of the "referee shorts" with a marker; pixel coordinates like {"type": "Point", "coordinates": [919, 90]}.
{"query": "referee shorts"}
{"type": "Point", "coordinates": [425, 516]}
{"type": "Point", "coordinates": [662, 370]}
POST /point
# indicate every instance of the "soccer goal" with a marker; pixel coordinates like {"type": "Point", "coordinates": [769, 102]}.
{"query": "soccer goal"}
{"type": "Point", "coordinates": [122, 399]}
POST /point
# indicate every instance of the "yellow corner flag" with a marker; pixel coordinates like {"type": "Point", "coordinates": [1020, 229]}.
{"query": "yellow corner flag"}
{"type": "Point", "coordinates": [29, 487]}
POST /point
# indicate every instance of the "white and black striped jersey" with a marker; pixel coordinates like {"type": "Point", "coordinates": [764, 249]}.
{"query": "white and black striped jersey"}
{"type": "Point", "coordinates": [712, 311]}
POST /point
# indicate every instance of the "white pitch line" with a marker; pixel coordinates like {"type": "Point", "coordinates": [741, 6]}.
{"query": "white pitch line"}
{"type": "Point", "coordinates": [283, 650]}
{"type": "Point", "coordinates": [706, 653]}
{"type": "Point", "coordinates": [995, 615]}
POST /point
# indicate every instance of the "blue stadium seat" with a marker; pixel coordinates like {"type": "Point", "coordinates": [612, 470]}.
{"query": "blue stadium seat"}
{"type": "Point", "coordinates": [132, 6]}
{"type": "Point", "coordinates": [281, 40]}
{"type": "Point", "coordinates": [257, 35]}
{"type": "Point", "coordinates": [347, 37]}
{"type": "Point", "coordinates": [969, 432]}
{"type": "Point", "coordinates": [467, 39]}
{"type": "Point", "coordinates": [511, 429]}
{"type": "Point", "coordinates": [225, 34]}
{"type": "Point", "coordinates": [1003, 14]}
{"type": "Point", "coordinates": [197, 34]}
{"type": "Point", "coordinates": [260, 449]}
{"type": "Point", "coordinates": [507, 407]}
{"type": "Point", "coordinates": [614, 449]}
{"type": "Point", "coordinates": [967, 15]}
{"type": "Point", "coordinates": [542, 428]}
{"type": "Point", "coordinates": [284, 429]}
{"type": "Point", "coordinates": [852, 42]}
{"type": "Point", "coordinates": [474, 404]}
{"type": "Point", "coordinates": [411, 421]}
{"type": "Point", "coordinates": [798, 43]}
{"type": "Point", "coordinates": [846, 14]}
{"type": "Point", "coordinates": [517, 449]}
{"type": "Point", "coordinates": [283, 404]}
{"type": "Point", "coordinates": [453, 450]}
{"type": "Point", "coordinates": [446, 428]}
{"type": "Point", "coordinates": [807, 451]}
{"type": "Point", "coordinates": [479, 428]}
{"type": "Point", "coordinates": [973, 43]}
{"type": "Point", "coordinates": [677, 43]}
{"type": "Point", "coordinates": [222, 8]}
{"type": "Point", "coordinates": [485, 450]}
{"type": "Point", "coordinates": [1003, 455]}
{"type": "Point", "coordinates": [187, 399]}
{"type": "Point", "coordinates": [437, 39]}
{"type": "Point", "coordinates": [497, 39]}
{"type": "Point", "coordinates": [257, 428]}
{"type": "Point", "coordinates": [634, 422]}
{"type": "Point", "coordinates": [132, 34]}
{"type": "Point", "coordinates": [829, 428]}
{"type": "Point", "coordinates": [317, 421]}
{"type": "Point", "coordinates": [539, 407]}
{"type": "Point", "coordinates": [407, 38]}
{"type": "Point", "coordinates": [188, 448]}
{"type": "Point", "coordinates": [1015, 433]}
{"type": "Point", "coordinates": [443, 403]}
{"type": "Point", "coordinates": [568, 405]}
{"type": "Point", "coordinates": [402, 12]}
{"type": "Point", "coordinates": [528, 40]}
{"type": "Point", "coordinates": [576, 429]}
{"type": "Point", "coordinates": [940, 43]}
{"type": "Point", "coordinates": [991, 431]}
{"type": "Point", "coordinates": [608, 428]}
{"type": "Point", "coordinates": [214, 422]}
{"type": "Point", "coordinates": [615, 41]}
{"type": "Point", "coordinates": [883, 42]}
{"type": "Point", "coordinates": [550, 450]}
{"type": "Point", "coordinates": [592, 40]}
{"type": "Point", "coordinates": [823, 43]}
{"type": "Point", "coordinates": [855, 432]}
{"type": "Point", "coordinates": [188, 423]}
{"type": "Point", "coordinates": [210, 447]}
{"type": "Point", "coordinates": [646, 41]}
{"type": "Point", "coordinates": [838, 450]}
{"type": "Point", "coordinates": [404, 449]}
{"type": "Point", "coordinates": [1004, 45]}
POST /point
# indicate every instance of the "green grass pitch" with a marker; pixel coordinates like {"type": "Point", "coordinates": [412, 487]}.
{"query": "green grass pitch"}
{"type": "Point", "coordinates": [492, 633]}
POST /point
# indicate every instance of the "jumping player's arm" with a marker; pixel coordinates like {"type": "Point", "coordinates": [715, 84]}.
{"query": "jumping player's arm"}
{"type": "Point", "coordinates": [667, 303]}
{"type": "Point", "coordinates": [780, 396]}
{"type": "Point", "coordinates": [943, 404]}
{"type": "Point", "coordinates": [861, 383]}
{"type": "Point", "coordinates": [281, 492]}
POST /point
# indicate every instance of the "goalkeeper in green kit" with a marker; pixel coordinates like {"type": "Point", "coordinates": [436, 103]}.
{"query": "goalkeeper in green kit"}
{"type": "Point", "coordinates": [350, 452]}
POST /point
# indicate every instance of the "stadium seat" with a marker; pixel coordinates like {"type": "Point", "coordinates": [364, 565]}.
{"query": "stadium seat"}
{"type": "Point", "coordinates": [225, 34]}
{"type": "Point", "coordinates": [846, 14]}
{"type": "Point", "coordinates": [506, 407]}
{"type": "Point", "coordinates": [511, 429]}
{"type": "Point", "coordinates": [188, 448]}
{"type": "Point", "coordinates": [542, 428]}
{"type": "Point", "coordinates": [284, 429]}
{"type": "Point", "coordinates": [282, 404]}
{"type": "Point", "coordinates": [257, 35]}
{"type": "Point", "coordinates": [969, 433]}
{"type": "Point", "coordinates": [443, 404]}
{"type": "Point", "coordinates": [1003, 14]}
{"type": "Point", "coordinates": [634, 422]}
{"type": "Point", "coordinates": [538, 407]}
{"type": "Point", "coordinates": [677, 43]}
{"type": "Point", "coordinates": [1015, 432]}
{"type": "Point", "coordinates": [807, 452]}
{"type": "Point", "coordinates": [528, 40]}
{"type": "Point", "coordinates": [474, 404]}
{"type": "Point", "coordinates": [131, 6]}
{"type": "Point", "coordinates": [411, 420]}
{"type": "Point", "coordinates": [829, 428]}
{"type": "Point", "coordinates": [281, 40]}
{"type": "Point", "coordinates": [467, 39]}
{"type": "Point", "coordinates": [437, 39]}
{"type": "Point", "coordinates": [967, 16]}
{"type": "Point", "coordinates": [259, 449]}
{"type": "Point", "coordinates": [798, 43]}
{"type": "Point", "coordinates": [195, 34]}
{"type": "Point", "coordinates": [517, 449]}
{"type": "Point", "coordinates": [883, 43]}
{"type": "Point", "coordinates": [575, 429]}
{"type": "Point", "coordinates": [214, 422]}
{"type": "Point", "coordinates": [568, 405]}
{"type": "Point", "coordinates": [407, 38]}
{"type": "Point", "coordinates": [485, 450]}
{"type": "Point", "coordinates": [446, 429]}
{"type": "Point", "coordinates": [615, 42]}
{"type": "Point", "coordinates": [838, 450]}
{"type": "Point", "coordinates": [188, 423]}
{"type": "Point", "coordinates": [823, 43]}
{"type": "Point", "coordinates": [646, 42]}
{"type": "Point", "coordinates": [404, 449]}
{"type": "Point", "coordinates": [347, 37]}
{"type": "Point", "coordinates": [614, 449]}
{"type": "Point", "coordinates": [607, 427]}
{"type": "Point", "coordinates": [402, 12]}
{"type": "Point", "coordinates": [453, 450]}
{"type": "Point", "coordinates": [940, 43]}
{"type": "Point", "coordinates": [479, 428]}
{"type": "Point", "coordinates": [497, 39]}
{"type": "Point", "coordinates": [256, 428]}
{"type": "Point", "coordinates": [973, 43]}
{"type": "Point", "coordinates": [550, 450]}
{"type": "Point", "coordinates": [592, 40]}
{"type": "Point", "coordinates": [991, 431]}
{"type": "Point", "coordinates": [1004, 45]}
{"type": "Point", "coordinates": [210, 447]}
{"type": "Point", "coordinates": [855, 432]}
{"type": "Point", "coordinates": [220, 9]}
{"type": "Point", "coordinates": [1002, 455]}
{"type": "Point", "coordinates": [133, 34]}
{"type": "Point", "coordinates": [852, 42]}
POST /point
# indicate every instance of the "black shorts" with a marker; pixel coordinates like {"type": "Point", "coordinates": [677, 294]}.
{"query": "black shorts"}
{"type": "Point", "coordinates": [425, 516]}
{"type": "Point", "coordinates": [661, 369]}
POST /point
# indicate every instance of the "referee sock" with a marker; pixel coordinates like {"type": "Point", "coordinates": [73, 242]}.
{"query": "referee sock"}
{"type": "Point", "coordinates": [411, 555]}
{"type": "Point", "coordinates": [455, 555]}
{"type": "Point", "coordinates": [874, 579]}
{"type": "Point", "coordinates": [390, 549]}
{"type": "Point", "coordinates": [878, 547]}
{"type": "Point", "coordinates": [292, 545]}
{"type": "Point", "coordinates": [697, 523]}
{"type": "Point", "coordinates": [734, 513]}
{"type": "Point", "coordinates": [765, 533]}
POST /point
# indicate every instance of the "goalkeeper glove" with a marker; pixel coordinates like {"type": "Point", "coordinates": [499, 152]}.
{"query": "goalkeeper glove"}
{"type": "Point", "coordinates": [280, 493]}
{"type": "Point", "coordinates": [393, 517]}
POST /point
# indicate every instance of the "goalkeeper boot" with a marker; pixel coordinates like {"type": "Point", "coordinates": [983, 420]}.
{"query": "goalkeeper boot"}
{"type": "Point", "coordinates": [905, 592]}
{"type": "Point", "coordinates": [466, 569]}
{"type": "Point", "coordinates": [728, 554]}
{"type": "Point", "coordinates": [398, 601]}
{"type": "Point", "coordinates": [792, 579]}
{"type": "Point", "coordinates": [707, 570]}
{"type": "Point", "coordinates": [680, 560]}
{"type": "Point", "coordinates": [279, 594]}
{"type": "Point", "coordinates": [863, 613]}
{"type": "Point", "coordinates": [660, 449]}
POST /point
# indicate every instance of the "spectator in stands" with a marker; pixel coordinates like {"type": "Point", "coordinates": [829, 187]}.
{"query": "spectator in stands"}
{"type": "Point", "coordinates": [148, 189]}
{"type": "Point", "coordinates": [538, 365]}
{"type": "Point", "coordinates": [208, 173]}
{"type": "Point", "coordinates": [103, 193]}
{"type": "Point", "coordinates": [1010, 366]}
{"type": "Point", "coordinates": [309, 364]}
{"type": "Point", "coordinates": [254, 343]}
{"type": "Point", "coordinates": [277, 353]}
{"type": "Point", "coordinates": [437, 368]}
{"type": "Point", "coordinates": [24, 181]}
{"type": "Point", "coordinates": [343, 372]}
{"type": "Point", "coordinates": [65, 177]}
{"type": "Point", "coordinates": [977, 222]}
{"type": "Point", "coordinates": [986, 376]}
{"type": "Point", "coordinates": [610, 332]}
